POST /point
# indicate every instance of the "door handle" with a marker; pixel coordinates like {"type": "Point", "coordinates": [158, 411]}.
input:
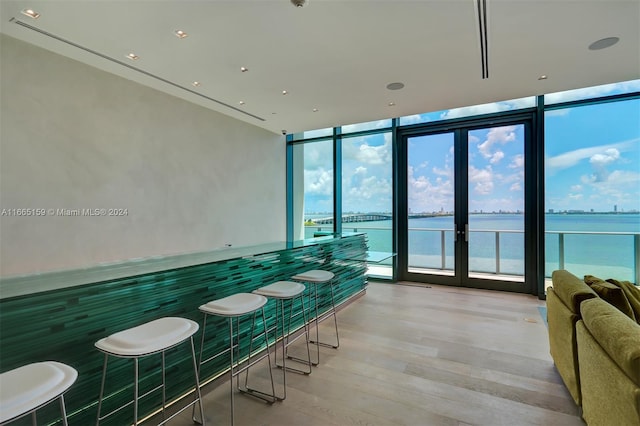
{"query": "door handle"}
{"type": "Point", "coordinates": [466, 232]}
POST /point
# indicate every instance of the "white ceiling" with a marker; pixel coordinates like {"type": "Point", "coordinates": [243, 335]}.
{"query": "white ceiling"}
{"type": "Point", "coordinates": [338, 56]}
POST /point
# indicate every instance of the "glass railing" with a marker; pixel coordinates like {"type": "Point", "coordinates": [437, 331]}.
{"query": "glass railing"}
{"type": "Point", "coordinates": [501, 252]}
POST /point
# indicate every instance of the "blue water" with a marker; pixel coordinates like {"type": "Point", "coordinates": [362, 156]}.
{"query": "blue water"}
{"type": "Point", "coordinates": [601, 254]}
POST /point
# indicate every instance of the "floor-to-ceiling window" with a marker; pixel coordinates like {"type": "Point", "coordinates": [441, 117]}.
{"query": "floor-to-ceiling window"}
{"type": "Point", "coordinates": [590, 172]}
{"type": "Point", "coordinates": [313, 189]}
{"type": "Point", "coordinates": [592, 181]}
{"type": "Point", "coordinates": [367, 193]}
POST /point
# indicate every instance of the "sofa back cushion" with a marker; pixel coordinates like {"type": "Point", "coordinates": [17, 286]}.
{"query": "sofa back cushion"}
{"type": "Point", "coordinates": [611, 293]}
{"type": "Point", "coordinates": [633, 295]}
{"type": "Point", "coordinates": [618, 336]}
{"type": "Point", "coordinates": [571, 290]}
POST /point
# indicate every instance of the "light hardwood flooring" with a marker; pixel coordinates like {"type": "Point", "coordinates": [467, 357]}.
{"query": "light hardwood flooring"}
{"type": "Point", "coordinates": [417, 355]}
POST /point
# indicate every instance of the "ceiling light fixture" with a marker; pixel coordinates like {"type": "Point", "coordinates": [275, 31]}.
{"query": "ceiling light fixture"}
{"type": "Point", "coordinates": [284, 92]}
{"type": "Point", "coordinates": [392, 104]}
{"type": "Point", "coordinates": [603, 43]}
{"type": "Point", "coordinates": [315, 110]}
{"type": "Point", "coordinates": [181, 34]}
{"type": "Point", "coordinates": [244, 69]}
{"type": "Point", "coordinates": [133, 56]}
{"type": "Point", "coordinates": [298, 3]}
{"type": "Point", "coordinates": [241, 102]}
{"type": "Point", "coordinates": [395, 86]}
{"type": "Point", "coordinates": [195, 84]}
{"type": "Point", "coordinates": [542, 77]}
{"type": "Point", "coordinates": [30, 13]}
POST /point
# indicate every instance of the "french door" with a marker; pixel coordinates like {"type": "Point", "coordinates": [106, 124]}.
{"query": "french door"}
{"type": "Point", "coordinates": [464, 205]}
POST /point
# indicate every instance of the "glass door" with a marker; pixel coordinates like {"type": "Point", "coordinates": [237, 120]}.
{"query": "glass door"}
{"type": "Point", "coordinates": [465, 221]}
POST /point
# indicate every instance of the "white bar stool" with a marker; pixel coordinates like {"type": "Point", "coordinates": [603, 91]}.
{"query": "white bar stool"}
{"type": "Point", "coordinates": [318, 277]}
{"type": "Point", "coordinates": [25, 389]}
{"type": "Point", "coordinates": [281, 291]}
{"type": "Point", "coordinates": [149, 339]}
{"type": "Point", "coordinates": [236, 306]}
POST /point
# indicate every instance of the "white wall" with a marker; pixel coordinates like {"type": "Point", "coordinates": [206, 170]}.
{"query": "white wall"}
{"type": "Point", "coordinates": [75, 137]}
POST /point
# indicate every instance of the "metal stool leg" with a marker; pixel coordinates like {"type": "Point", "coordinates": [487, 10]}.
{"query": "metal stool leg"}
{"type": "Point", "coordinates": [135, 395]}
{"type": "Point", "coordinates": [104, 376]}
{"type": "Point", "coordinates": [305, 325]}
{"type": "Point", "coordinates": [63, 411]}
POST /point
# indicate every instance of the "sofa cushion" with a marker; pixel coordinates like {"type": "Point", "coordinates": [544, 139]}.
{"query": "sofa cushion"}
{"type": "Point", "coordinates": [617, 334]}
{"type": "Point", "coordinates": [570, 289]}
{"type": "Point", "coordinates": [611, 293]}
{"type": "Point", "coordinates": [633, 295]}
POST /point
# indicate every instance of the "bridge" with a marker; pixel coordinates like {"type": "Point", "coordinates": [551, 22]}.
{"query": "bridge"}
{"type": "Point", "coordinates": [371, 217]}
{"type": "Point", "coordinates": [350, 218]}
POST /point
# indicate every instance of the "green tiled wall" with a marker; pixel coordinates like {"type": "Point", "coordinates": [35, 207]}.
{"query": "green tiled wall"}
{"type": "Point", "coordinates": [64, 324]}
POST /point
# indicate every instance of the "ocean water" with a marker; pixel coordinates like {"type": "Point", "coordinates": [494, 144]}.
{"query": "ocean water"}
{"type": "Point", "coordinates": [597, 244]}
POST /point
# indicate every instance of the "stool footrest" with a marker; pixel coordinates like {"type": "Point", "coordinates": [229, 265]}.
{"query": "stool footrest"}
{"type": "Point", "coordinates": [266, 397]}
{"type": "Point", "coordinates": [295, 370]}
{"type": "Point", "coordinates": [301, 360]}
{"type": "Point", "coordinates": [326, 345]}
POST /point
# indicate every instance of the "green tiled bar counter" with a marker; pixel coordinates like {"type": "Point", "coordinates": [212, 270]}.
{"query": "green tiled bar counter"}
{"type": "Point", "coordinates": [60, 315]}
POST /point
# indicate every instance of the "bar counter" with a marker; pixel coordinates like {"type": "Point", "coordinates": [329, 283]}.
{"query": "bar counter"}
{"type": "Point", "coordinates": [59, 315]}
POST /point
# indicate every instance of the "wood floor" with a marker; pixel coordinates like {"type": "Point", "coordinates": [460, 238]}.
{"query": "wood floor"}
{"type": "Point", "coordinates": [416, 355]}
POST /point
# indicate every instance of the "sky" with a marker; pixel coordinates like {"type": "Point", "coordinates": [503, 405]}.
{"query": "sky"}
{"type": "Point", "coordinates": [592, 161]}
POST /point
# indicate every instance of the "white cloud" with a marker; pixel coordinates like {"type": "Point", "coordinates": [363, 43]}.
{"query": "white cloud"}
{"type": "Point", "coordinates": [571, 158]}
{"type": "Point", "coordinates": [379, 124]}
{"type": "Point", "coordinates": [359, 150]}
{"type": "Point", "coordinates": [488, 108]}
{"type": "Point", "coordinates": [593, 92]}
{"type": "Point", "coordinates": [575, 196]}
{"type": "Point", "coordinates": [496, 157]}
{"type": "Point", "coordinates": [427, 196]}
{"type": "Point", "coordinates": [517, 162]}
{"type": "Point", "coordinates": [496, 136]}
{"type": "Point", "coordinates": [609, 156]}
{"type": "Point", "coordinates": [414, 119]}
{"type": "Point", "coordinates": [600, 161]}
{"type": "Point", "coordinates": [319, 181]}
{"type": "Point", "coordinates": [482, 178]}
{"type": "Point", "coordinates": [515, 187]}
{"type": "Point", "coordinates": [576, 188]}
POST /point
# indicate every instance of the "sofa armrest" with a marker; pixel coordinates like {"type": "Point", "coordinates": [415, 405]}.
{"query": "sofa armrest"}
{"type": "Point", "coordinates": [571, 289]}
{"type": "Point", "coordinates": [616, 333]}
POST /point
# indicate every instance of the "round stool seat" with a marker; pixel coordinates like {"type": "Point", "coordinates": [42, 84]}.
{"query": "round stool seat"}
{"type": "Point", "coordinates": [314, 276]}
{"type": "Point", "coordinates": [28, 387]}
{"type": "Point", "coordinates": [281, 290]}
{"type": "Point", "coordinates": [146, 339]}
{"type": "Point", "coordinates": [234, 305]}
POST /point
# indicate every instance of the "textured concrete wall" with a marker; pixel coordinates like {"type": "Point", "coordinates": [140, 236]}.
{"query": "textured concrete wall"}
{"type": "Point", "coordinates": [73, 137]}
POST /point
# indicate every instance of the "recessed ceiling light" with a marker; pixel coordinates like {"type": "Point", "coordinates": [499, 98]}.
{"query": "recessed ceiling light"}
{"type": "Point", "coordinates": [244, 69]}
{"type": "Point", "coordinates": [391, 104]}
{"type": "Point", "coordinates": [395, 86]}
{"type": "Point", "coordinates": [133, 56]}
{"type": "Point", "coordinates": [542, 77]}
{"type": "Point", "coordinates": [181, 34]}
{"type": "Point", "coordinates": [284, 92]}
{"type": "Point", "coordinates": [315, 110]}
{"type": "Point", "coordinates": [241, 102]}
{"type": "Point", "coordinates": [30, 13]}
{"type": "Point", "coordinates": [603, 43]}
{"type": "Point", "coordinates": [195, 84]}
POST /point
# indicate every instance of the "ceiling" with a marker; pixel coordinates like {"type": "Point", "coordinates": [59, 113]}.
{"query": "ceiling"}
{"type": "Point", "coordinates": [338, 56]}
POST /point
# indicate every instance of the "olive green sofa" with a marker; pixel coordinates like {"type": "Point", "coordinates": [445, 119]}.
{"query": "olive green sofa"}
{"type": "Point", "coordinates": [563, 312]}
{"type": "Point", "coordinates": [609, 359]}
{"type": "Point", "coordinates": [594, 339]}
